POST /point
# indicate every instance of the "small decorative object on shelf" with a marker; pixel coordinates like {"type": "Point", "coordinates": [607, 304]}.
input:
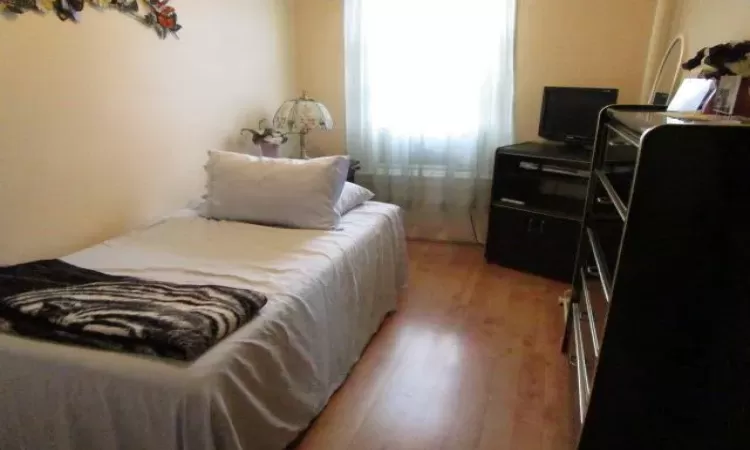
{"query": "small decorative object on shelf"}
{"type": "Point", "coordinates": [729, 64]}
{"type": "Point", "coordinates": [302, 115]}
{"type": "Point", "coordinates": [268, 139]}
{"type": "Point", "coordinates": [726, 95]}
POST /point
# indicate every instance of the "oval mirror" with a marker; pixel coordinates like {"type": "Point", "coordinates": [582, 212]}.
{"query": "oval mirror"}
{"type": "Point", "coordinates": [670, 72]}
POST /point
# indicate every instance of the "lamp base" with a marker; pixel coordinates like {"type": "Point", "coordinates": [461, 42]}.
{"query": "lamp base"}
{"type": "Point", "coordinates": [303, 146]}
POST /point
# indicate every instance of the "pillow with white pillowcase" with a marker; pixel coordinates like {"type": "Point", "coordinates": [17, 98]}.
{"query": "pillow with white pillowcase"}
{"type": "Point", "coordinates": [275, 191]}
{"type": "Point", "coordinates": [352, 196]}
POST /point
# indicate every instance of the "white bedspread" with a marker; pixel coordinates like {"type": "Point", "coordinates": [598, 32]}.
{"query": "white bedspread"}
{"type": "Point", "coordinates": [329, 292]}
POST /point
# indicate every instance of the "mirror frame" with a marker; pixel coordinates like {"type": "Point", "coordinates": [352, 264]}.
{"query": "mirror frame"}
{"type": "Point", "coordinates": [678, 40]}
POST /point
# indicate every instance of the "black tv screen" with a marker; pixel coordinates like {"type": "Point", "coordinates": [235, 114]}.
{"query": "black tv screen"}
{"type": "Point", "coordinates": [570, 114]}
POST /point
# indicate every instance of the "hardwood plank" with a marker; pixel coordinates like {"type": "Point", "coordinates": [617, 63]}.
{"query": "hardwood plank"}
{"type": "Point", "coordinates": [497, 423]}
{"type": "Point", "coordinates": [470, 361]}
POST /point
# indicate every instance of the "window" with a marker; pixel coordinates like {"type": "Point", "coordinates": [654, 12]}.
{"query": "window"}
{"type": "Point", "coordinates": [427, 64]}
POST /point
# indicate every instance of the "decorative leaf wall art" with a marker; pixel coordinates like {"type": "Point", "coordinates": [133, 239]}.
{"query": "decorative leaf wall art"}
{"type": "Point", "coordinates": [126, 6]}
{"type": "Point", "coordinates": [163, 18]}
{"type": "Point", "coordinates": [18, 6]}
{"type": "Point", "coordinates": [68, 9]}
{"type": "Point", "coordinates": [156, 14]}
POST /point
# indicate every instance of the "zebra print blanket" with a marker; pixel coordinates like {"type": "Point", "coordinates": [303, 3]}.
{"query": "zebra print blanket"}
{"type": "Point", "coordinates": [56, 301]}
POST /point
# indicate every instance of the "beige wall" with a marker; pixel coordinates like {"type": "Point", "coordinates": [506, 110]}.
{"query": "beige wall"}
{"type": "Point", "coordinates": [703, 23]}
{"type": "Point", "coordinates": [319, 62]}
{"type": "Point", "coordinates": [578, 43]}
{"type": "Point", "coordinates": [661, 37]}
{"type": "Point", "coordinates": [103, 126]}
{"type": "Point", "coordinates": [560, 42]}
{"type": "Point", "coordinates": [709, 22]}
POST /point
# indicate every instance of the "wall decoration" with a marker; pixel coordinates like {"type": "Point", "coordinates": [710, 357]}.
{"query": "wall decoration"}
{"type": "Point", "coordinates": [18, 6]}
{"type": "Point", "coordinates": [156, 14]}
{"type": "Point", "coordinates": [126, 6]}
{"type": "Point", "coordinates": [163, 18]}
{"type": "Point", "coordinates": [68, 9]}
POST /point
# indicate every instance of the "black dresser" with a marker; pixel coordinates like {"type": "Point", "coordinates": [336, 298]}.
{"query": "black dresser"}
{"type": "Point", "coordinates": [658, 328]}
{"type": "Point", "coordinates": [538, 198]}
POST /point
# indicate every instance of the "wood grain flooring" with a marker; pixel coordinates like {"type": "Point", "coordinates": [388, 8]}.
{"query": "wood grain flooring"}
{"type": "Point", "coordinates": [470, 361]}
{"type": "Point", "coordinates": [456, 227]}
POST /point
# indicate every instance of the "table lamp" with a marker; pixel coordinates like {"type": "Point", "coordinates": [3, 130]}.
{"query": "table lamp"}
{"type": "Point", "coordinates": [301, 115]}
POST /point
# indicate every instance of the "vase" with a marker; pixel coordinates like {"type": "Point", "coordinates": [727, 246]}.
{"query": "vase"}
{"type": "Point", "coordinates": [269, 150]}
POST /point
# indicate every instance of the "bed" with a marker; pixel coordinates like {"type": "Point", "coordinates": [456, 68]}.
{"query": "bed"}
{"type": "Point", "coordinates": [328, 291]}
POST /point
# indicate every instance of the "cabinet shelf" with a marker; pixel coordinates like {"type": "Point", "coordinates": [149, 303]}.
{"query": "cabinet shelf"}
{"type": "Point", "coordinates": [586, 297]}
{"type": "Point", "coordinates": [627, 135]}
{"type": "Point", "coordinates": [548, 205]}
{"type": "Point", "coordinates": [619, 205]}
{"type": "Point", "coordinates": [602, 269]}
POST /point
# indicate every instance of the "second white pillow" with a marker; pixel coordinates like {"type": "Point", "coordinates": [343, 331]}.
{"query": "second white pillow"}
{"type": "Point", "coordinates": [352, 196]}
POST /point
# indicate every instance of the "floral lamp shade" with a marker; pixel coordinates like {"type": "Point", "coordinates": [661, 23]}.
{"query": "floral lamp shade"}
{"type": "Point", "coordinates": [302, 115]}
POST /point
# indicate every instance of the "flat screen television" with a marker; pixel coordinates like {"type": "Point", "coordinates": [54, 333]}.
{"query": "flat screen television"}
{"type": "Point", "coordinates": [570, 114]}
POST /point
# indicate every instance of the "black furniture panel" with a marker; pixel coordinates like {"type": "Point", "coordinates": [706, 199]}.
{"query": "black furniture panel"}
{"type": "Point", "coordinates": [555, 247]}
{"type": "Point", "coordinates": [658, 328]}
{"type": "Point", "coordinates": [511, 242]}
{"type": "Point", "coordinates": [532, 242]}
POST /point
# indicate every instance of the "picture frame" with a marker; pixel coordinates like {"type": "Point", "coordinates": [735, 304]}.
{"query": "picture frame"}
{"type": "Point", "coordinates": [725, 97]}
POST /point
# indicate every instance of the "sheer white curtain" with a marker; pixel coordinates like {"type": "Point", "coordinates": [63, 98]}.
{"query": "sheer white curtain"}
{"type": "Point", "coordinates": [429, 96]}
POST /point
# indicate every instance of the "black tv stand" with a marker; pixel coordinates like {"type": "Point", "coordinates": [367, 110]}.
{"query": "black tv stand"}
{"type": "Point", "coordinates": [578, 146]}
{"type": "Point", "coordinates": [538, 198]}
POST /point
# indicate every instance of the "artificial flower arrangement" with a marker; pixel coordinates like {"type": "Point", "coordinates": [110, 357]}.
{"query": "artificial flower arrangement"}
{"type": "Point", "coordinates": [269, 139]}
{"type": "Point", "coordinates": [732, 58]}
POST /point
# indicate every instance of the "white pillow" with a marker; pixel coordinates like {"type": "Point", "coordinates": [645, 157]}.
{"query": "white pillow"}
{"type": "Point", "coordinates": [275, 191]}
{"type": "Point", "coordinates": [352, 196]}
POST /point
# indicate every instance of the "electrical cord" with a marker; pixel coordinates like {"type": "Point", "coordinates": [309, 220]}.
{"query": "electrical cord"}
{"type": "Point", "coordinates": [473, 227]}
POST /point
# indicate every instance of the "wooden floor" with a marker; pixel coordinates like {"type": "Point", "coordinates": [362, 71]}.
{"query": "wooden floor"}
{"type": "Point", "coordinates": [470, 361]}
{"type": "Point", "coordinates": [446, 226]}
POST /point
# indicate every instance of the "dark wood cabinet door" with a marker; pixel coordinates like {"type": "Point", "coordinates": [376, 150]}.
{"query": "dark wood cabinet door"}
{"type": "Point", "coordinates": [556, 241]}
{"type": "Point", "coordinates": [508, 242]}
{"type": "Point", "coordinates": [533, 243]}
